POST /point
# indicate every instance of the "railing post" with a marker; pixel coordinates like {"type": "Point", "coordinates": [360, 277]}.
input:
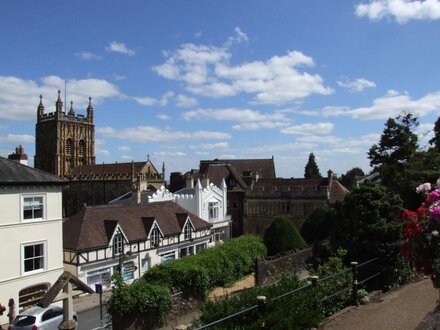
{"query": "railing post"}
{"type": "Point", "coordinates": [354, 265]}
{"type": "Point", "coordinates": [262, 308]}
{"type": "Point", "coordinates": [314, 279]}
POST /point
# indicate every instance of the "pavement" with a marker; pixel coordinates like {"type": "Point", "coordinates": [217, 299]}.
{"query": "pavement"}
{"type": "Point", "coordinates": [410, 307]}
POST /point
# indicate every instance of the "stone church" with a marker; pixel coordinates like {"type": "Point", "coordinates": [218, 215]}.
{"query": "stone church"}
{"type": "Point", "coordinates": [65, 146]}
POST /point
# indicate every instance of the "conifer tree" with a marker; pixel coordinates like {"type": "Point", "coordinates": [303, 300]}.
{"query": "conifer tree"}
{"type": "Point", "coordinates": [435, 141]}
{"type": "Point", "coordinates": [311, 171]}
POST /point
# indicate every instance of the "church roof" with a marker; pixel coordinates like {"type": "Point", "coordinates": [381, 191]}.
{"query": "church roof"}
{"type": "Point", "coordinates": [13, 173]}
{"type": "Point", "coordinates": [111, 168]}
{"type": "Point", "coordinates": [89, 228]}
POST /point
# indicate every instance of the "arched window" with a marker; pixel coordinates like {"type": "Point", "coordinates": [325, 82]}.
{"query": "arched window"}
{"type": "Point", "coordinates": [69, 147]}
{"type": "Point", "coordinates": [82, 148]}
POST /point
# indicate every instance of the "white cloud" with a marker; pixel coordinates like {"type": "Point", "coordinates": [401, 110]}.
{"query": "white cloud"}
{"type": "Point", "coordinates": [126, 157]}
{"type": "Point", "coordinates": [394, 103]}
{"type": "Point", "coordinates": [24, 138]}
{"type": "Point", "coordinates": [238, 38]}
{"type": "Point", "coordinates": [87, 56]}
{"type": "Point", "coordinates": [357, 85]}
{"type": "Point", "coordinates": [124, 148]}
{"type": "Point", "coordinates": [150, 101]}
{"type": "Point", "coordinates": [260, 125]}
{"type": "Point", "coordinates": [206, 71]}
{"type": "Point", "coordinates": [163, 116]}
{"type": "Point", "coordinates": [19, 97]}
{"type": "Point", "coordinates": [119, 47]}
{"type": "Point", "coordinates": [185, 101]}
{"type": "Point", "coordinates": [401, 10]}
{"type": "Point", "coordinates": [273, 148]}
{"type": "Point", "coordinates": [308, 129]}
{"type": "Point", "coordinates": [209, 146]}
{"type": "Point", "coordinates": [170, 154]}
{"type": "Point", "coordinates": [231, 114]}
{"type": "Point", "coordinates": [154, 134]}
{"type": "Point", "coordinates": [198, 34]}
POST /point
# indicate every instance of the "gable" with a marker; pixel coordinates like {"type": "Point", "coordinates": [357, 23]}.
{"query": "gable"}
{"type": "Point", "coordinates": [116, 231]}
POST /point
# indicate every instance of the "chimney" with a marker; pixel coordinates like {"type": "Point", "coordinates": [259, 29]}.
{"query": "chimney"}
{"type": "Point", "coordinates": [19, 156]}
{"type": "Point", "coordinates": [189, 181]}
{"type": "Point", "coordinates": [136, 192]}
{"type": "Point", "coordinates": [329, 175]}
{"type": "Point", "coordinates": [205, 181]}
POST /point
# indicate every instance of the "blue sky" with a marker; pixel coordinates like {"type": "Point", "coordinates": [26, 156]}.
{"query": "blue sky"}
{"type": "Point", "coordinates": [188, 80]}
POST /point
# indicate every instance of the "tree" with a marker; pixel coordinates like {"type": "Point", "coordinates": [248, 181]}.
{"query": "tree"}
{"type": "Point", "coordinates": [318, 225]}
{"type": "Point", "coordinates": [311, 171]}
{"type": "Point", "coordinates": [282, 235]}
{"type": "Point", "coordinates": [435, 141]}
{"type": "Point", "coordinates": [349, 179]}
{"type": "Point", "coordinates": [398, 144]}
{"type": "Point", "coordinates": [368, 225]}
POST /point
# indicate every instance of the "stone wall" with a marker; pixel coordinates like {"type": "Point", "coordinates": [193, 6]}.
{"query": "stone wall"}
{"type": "Point", "coordinates": [270, 269]}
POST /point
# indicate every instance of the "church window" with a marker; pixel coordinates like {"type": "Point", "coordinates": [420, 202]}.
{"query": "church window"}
{"type": "Point", "coordinates": [69, 147]}
{"type": "Point", "coordinates": [81, 148]}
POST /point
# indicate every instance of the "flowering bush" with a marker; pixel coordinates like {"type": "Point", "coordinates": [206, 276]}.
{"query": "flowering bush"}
{"type": "Point", "coordinates": [422, 234]}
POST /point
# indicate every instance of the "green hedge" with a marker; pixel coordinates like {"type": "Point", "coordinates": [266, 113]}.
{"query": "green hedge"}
{"type": "Point", "coordinates": [196, 275]}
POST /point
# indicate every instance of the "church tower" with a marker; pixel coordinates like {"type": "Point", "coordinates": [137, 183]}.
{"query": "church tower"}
{"type": "Point", "coordinates": [63, 140]}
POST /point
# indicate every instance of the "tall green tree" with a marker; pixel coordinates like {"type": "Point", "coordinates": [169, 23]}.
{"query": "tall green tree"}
{"type": "Point", "coordinates": [368, 225]}
{"type": "Point", "coordinates": [391, 156]}
{"type": "Point", "coordinates": [435, 141]}
{"type": "Point", "coordinates": [311, 171]}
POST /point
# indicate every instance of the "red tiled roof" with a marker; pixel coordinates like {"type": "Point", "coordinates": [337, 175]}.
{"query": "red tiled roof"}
{"type": "Point", "coordinates": [111, 168]}
{"type": "Point", "coordinates": [265, 167]}
{"type": "Point", "coordinates": [92, 226]}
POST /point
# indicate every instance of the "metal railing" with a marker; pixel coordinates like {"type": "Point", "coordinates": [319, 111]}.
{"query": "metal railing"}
{"type": "Point", "coordinates": [314, 282]}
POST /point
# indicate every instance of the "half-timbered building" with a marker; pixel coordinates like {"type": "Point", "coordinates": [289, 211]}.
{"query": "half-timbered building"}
{"type": "Point", "coordinates": [100, 241]}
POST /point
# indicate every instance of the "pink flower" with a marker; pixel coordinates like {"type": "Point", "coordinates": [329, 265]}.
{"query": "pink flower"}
{"type": "Point", "coordinates": [425, 187]}
{"type": "Point", "coordinates": [434, 196]}
{"type": "Point", "coordinates": [434, 212]}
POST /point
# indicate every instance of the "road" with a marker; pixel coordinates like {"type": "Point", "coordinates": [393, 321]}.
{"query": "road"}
{"type": "Point", "coordinates": [89, 319]}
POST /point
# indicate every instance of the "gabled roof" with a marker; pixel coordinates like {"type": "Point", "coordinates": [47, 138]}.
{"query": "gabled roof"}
{"type": "Point", "coordinates": [88, 229]}
{"type": "Point", "coordinates": [337, 191]}
{"type": "Point", "coordinates": [217, 172]}
{"type": "Point", "coordinates": [13, 173]}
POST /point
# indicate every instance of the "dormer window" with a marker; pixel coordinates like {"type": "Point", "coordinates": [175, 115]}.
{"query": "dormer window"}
{"type": "Point", "coordinates": [213, 210]}
{"type": "Point", "coordinates": [117, 244]}
{"type": "Point", "coordinates": [187, 230]}
{"type": "Point", "coordinates": [154, 237]}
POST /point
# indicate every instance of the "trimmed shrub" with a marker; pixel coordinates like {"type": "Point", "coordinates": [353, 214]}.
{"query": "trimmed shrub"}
{"type": "Point", "coordinates": [318, 225]}
{"type": "Point", "coordinates": [139, 304]}
{"type": "Point", "coordinates": [282, 235]}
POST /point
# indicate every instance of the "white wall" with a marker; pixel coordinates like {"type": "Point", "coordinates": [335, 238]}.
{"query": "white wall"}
{"type": "Point", "coordinates": [14, 232]}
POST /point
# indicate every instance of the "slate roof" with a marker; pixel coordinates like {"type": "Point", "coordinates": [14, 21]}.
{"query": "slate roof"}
{"type": "Point", "coordinates": [14, 173]}
{"type": "Point", "coordinates": [337, 192]}
{"type": "Point", "coordinates": [216, 172]}
{"type": "Point", "coordinates": [265, 167]}
{"type": "Point", "coordinates": [90, 228]}
{"type": "Point", "coordinates": [112, 168]}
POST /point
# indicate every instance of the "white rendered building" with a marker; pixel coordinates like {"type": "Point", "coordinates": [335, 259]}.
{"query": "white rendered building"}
{"type": "Point", "coordinates": [31, 255]}
{"type": "Point", "coordinates": [207, 201]}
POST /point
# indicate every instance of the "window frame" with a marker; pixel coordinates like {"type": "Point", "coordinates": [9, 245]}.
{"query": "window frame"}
{"type": "Point", "coordinates": [118, 244]}
{"type": "Point", "coordinates": [43, 207]}
{"type": "Point", "coordinates": [24, 259]}
{"type": "Point", "coordinates": [187, 231]}
{"type": "Point", "coordinates": [213, 210]}
{"type": "Point", "coordinates": [154, 236]}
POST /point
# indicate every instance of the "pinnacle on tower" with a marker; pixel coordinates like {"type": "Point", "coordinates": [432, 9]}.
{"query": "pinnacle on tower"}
{"type": "Point", "coordinates": [59, 103]}
{"type": "Point", "coordinates": [40, 108]}
{"type": "Point", "coordinates": [71, 111]}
